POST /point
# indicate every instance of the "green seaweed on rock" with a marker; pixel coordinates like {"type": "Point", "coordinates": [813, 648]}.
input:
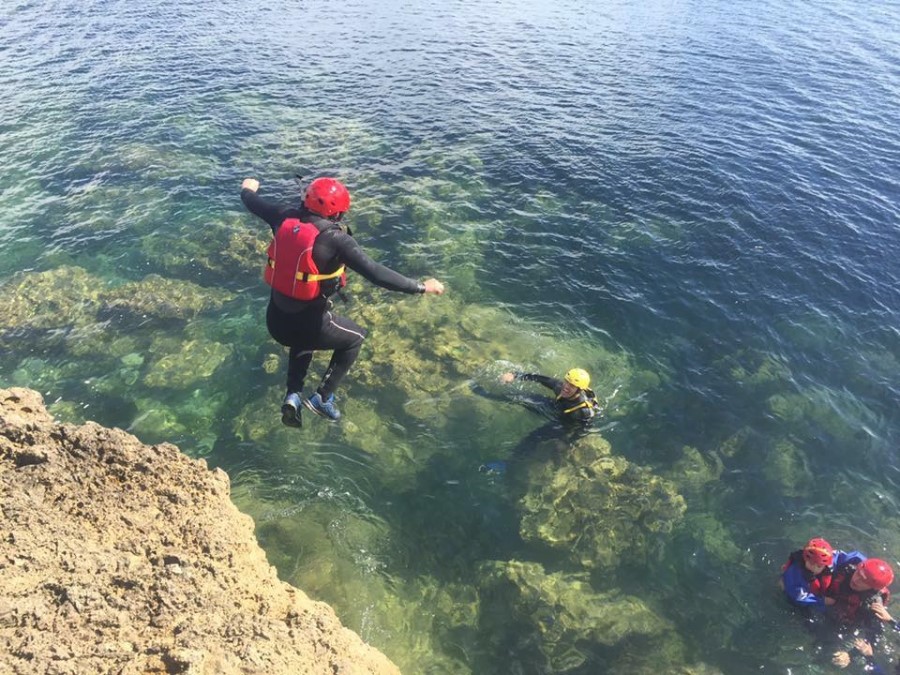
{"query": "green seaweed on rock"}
{"type": "Point", "coordinates": [159, 298]}
{"type": "Point", "coordinates": [714, 538]}
{"type": "Point", "coordinates": [293, 134]}
{"type": "Point", "coordinates": [156, 421]}
{"type": "Point", "coordinates": [429, 347]}
{"type": "Point", "coordinates": [566, 615]}
{"type": "Point", "coordinates": [597, 507]}
{"type": "Point", "coordinates": [693, 471]}
{"type": "Point", "coordinates": [191, 419]}
{"type": "Point", "coordinates": [229, 248]}
{"type": "Point", "coordinates": [56, 298]}
{"type": "Point", "coordinates": [191, 362]}
{"type": "Point", "coordinates": [38, 373]}
{"type": "Point", "coordinates": [759, 371]}
{"type": "Point", "coordinates": [786, 465]}
{"type": "Point", "coordinates": [72, 298]}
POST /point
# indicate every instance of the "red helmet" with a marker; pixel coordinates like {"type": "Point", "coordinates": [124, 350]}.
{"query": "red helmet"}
{"type": "Point", "coordinates": [327, 197]}
{"type": "Point", "coordinates": [818, 552]}
{"type": "Point", "coordinates": [875, 573]}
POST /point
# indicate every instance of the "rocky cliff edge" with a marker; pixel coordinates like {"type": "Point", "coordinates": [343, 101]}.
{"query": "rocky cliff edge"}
{"type": "Point", "coordinates": [118, 557]}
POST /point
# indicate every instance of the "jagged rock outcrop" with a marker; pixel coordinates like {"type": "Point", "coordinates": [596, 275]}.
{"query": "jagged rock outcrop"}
{"type": "Point", "coordinates": [117, 557]}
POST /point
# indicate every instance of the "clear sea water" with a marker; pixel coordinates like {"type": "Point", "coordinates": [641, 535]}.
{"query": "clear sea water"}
{"type": "Point", "coordinates": [703, 193]}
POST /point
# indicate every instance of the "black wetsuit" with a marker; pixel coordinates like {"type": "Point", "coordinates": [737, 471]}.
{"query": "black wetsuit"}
{"type": "Point", "coordinates": [307, 326]}
{"type": "Point", "coordinates": [582, 408]}
{"type": "Point", "coordinates": [570, 418]}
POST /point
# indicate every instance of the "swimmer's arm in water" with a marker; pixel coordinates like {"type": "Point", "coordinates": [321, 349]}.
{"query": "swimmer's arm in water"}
{"type": "Point", "coordinates": [549, 382]}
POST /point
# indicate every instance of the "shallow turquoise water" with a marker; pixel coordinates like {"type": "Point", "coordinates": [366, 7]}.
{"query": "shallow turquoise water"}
{"type": "Point", "coordinates": [699, 201]}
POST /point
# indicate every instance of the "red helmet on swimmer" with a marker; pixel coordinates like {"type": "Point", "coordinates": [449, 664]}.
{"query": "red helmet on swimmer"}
{"type": "Point", "coordinates": [327, 197]}
{"type": "Point", "coordinates": [818, 552]}
{"type": "Point", "coordinates": [876, 574]}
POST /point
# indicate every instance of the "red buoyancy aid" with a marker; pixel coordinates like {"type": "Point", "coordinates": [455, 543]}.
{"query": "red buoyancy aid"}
{"type": "Point", "coordinates": [291, 269]}
{"type": "Point", "coordinates": [848, 602]}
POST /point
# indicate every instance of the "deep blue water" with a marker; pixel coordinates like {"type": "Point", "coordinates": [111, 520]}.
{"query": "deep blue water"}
{"type": "Point", "coordinates": [708, 188]}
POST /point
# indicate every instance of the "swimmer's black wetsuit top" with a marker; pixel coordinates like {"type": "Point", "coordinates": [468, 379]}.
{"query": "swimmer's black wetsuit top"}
{"type": "Point", "coordinates": [583, 408]}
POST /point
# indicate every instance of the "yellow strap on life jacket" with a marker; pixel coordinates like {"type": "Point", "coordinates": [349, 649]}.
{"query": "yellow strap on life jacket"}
{"type": "Point", "coordinates": [303, 276]}
{"type": "Point", "coordinates": [590, 401]}
{"type": "Point", "coordinates": [583, 404]}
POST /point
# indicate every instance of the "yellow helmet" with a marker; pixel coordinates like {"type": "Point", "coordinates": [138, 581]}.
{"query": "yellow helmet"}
{"type": "Point", "coordinates": [578, 377]}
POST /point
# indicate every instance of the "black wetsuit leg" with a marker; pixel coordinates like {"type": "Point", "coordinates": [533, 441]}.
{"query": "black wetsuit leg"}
{"type": "Point", "coordinates": [552, 431]}
{"type": "Point", "coordinates": [315, 330]}
{"type": "Point", "coordinates": [298, 365]}
{"type": "Point", "coordinates": [297, 332]}
{"type": "Point", "coordinates": [345, 337]}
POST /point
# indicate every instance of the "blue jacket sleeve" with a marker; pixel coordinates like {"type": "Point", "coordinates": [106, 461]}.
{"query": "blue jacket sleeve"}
{"type": "Point", "coordinates": [873, 667]}
{"type": "Point", "coordinates": [797, 590]}
{"type": "Point", "coordinates": [842, 558]}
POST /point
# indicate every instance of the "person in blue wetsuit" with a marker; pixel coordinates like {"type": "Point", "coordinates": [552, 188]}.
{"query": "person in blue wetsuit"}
{"type": "Point", "coordinates": [307, 261]}
{"type": "Point", "coordinates": [807, 574]}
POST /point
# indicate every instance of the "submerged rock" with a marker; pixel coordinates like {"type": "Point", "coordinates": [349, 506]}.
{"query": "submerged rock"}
{"type": "Point", "coordinates": [69, 301]}
{"type": "Point", "coordinates": [194, 361]}
{"type": "Point", "coordinates": [227, 250]}
{"type": "Point", "coordinates": [786, 466]}
{"type": "Point", "coordinates": [566, 611]}
{"type": "Point", "coordinates": [161, 298]}
{"type": "Point", "coordinates": [694, 470]}
{"type": "Point", "coordinates": [121, 557]}
{"type": "Point", "coordinates": [598, 507]}
{"type": "Point", "coordinates": [65, 296]}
